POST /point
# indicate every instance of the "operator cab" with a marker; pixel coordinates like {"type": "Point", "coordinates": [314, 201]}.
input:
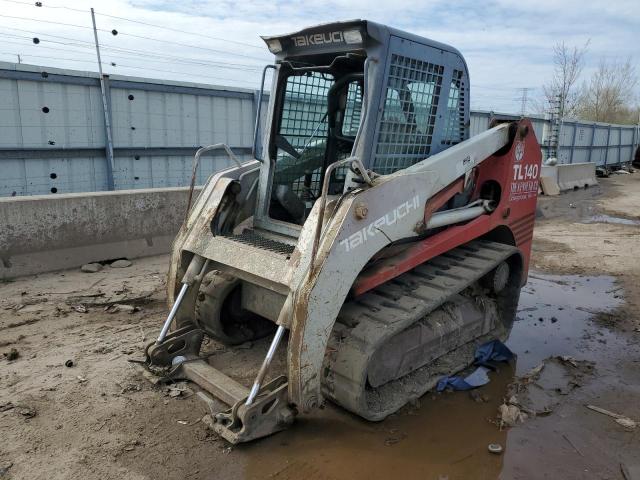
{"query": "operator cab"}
{"type": "Point", "coordinates": [359, 89]}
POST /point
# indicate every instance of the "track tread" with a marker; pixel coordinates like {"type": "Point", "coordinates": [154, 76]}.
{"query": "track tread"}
{"type": "Point", "coordinates": [371, 319]}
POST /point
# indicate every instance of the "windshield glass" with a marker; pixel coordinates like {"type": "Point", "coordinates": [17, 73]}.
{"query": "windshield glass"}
{"type": "Point", "coordinates": [302, 137]}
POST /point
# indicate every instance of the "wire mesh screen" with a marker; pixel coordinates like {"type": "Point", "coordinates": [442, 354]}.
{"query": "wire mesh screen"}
{"type": "Point", "coordinates": [304, 127]}
{"type": "Point", "coordinates": [409, 115]}
{"type": "Point", "coordinates": [454, 128]}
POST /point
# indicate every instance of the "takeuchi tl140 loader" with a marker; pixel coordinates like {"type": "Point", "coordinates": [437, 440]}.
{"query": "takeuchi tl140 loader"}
{"type": "Point", "coordinates": [370, 236]}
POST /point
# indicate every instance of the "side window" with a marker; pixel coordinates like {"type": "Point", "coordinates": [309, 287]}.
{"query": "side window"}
{"type": "Point", "coordinates": [352, 110]}
{"type": "Point", "coordinates": [406, 127]}
{"type": "Point", "coordinates": [393, 112]}
{"type": "Point", "coordinates": [454, 128]}
{"type": "Point", "coordinates": [422, 94]}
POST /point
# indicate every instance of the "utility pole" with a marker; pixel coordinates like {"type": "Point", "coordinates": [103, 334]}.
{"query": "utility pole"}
{"type": "Point", "coordinates": [105, 107]}
{"type": "Point", "coordinates": [637, 142]}
{"type": "Point", "coordinates": [19, 59]}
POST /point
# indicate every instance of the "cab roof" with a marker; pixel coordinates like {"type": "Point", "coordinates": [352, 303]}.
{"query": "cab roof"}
{"type": "Point", "coordinates": [340, 36]}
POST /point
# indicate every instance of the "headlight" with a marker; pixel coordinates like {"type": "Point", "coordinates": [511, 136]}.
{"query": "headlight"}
{"type": "Point", "coordinates": [274, 46]}
{"type": "Point", "coordinates": [352, 36]}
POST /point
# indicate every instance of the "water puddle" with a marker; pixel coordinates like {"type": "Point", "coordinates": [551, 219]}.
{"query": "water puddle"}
{"type": "Point", "coordinates": [609, 219]}
{"type": "Point", "coordinates": [446, 436]}
{"type": "Point", "coordinates": [553, 318]}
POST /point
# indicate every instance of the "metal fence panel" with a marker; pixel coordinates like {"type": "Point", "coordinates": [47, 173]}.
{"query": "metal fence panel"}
{"type": "Point", "coordinates": [52, 137]}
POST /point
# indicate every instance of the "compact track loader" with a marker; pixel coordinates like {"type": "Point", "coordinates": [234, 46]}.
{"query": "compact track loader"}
{"type": "Point", "coordinates": [370, 235]}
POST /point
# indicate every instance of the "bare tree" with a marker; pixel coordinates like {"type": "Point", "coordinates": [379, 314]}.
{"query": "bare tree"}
{"type": "Point", "coordinates": [609, 94]}
{"type": "Point", "coordinates": [568, 63]}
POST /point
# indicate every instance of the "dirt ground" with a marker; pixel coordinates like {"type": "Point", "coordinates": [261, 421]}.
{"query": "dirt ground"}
{"type": "Point", "coordinates": [99, 418]}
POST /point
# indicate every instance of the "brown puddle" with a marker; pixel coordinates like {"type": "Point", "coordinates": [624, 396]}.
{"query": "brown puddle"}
{"type": "Point", "coordinates": [447, 435]}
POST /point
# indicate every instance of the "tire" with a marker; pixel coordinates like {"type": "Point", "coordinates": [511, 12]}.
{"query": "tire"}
{"type": "Point", "coordinates": [220, 315]}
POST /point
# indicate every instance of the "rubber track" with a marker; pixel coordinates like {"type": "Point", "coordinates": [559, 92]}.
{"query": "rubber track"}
{"type": "Point", "coordinates": [365, 323]}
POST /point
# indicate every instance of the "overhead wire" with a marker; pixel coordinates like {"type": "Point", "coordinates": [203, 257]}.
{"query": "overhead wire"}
{"type": "Point", "coordinates": [34, 32]}
{"type": "Point", "coordinates": [145, 53]}
{"type": "Point", "coordinates": [160, 59]}
{"type": "Point", "coordinates": [107, 64]}
{"type": "Point", "coordinates": [137, 52]}
{"type": "Point", "coordinates": [66, 50]}
{"type": "Point", "coordinates": [224, 52]}
{"type": "Point", "coordinates": [46, 5]}
{"type": "Point", "coordinates": [43, 4]}
{"type": "Point", "coordinates": [90, 44]}
{"type": "Point", "coordinates": [213, 50]}
{"type": "Point", "coordinates": [50, 22]}
{"type": "Point", "coordinates": [27, 55]}
{"type": "Point", "coordinates": [187, 74]}
{"type": "Point", "coordinates": [74, 45]}
{"type": "Point", "coordinates": [182, 31]}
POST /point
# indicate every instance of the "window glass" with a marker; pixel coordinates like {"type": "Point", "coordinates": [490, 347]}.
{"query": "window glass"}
{"type": "Point", "coordinates": [303, 128]}
{"type": "Point", "coordinates": [352, 111]}
{"type": "Point", "coordinates": [406, 127]}
{"type": "Point", "coordinates": [454, 128]}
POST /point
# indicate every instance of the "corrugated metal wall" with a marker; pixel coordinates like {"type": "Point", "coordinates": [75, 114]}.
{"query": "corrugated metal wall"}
{"type": "Point", "coordinates": [52, 135]}
{"type": "Point", "coordinates": [600, 143]}
{"type": "Point", "coordinates": [578, 141]}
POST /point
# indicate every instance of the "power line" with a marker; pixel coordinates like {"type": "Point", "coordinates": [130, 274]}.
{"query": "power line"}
{"type": "Point", "coordinates": [26, 55]}
{"type": "Point", "coordinates": [217, 51]}
{"type": "Point", "coordinates": [223, 52]}
{"type": "Point", "coordinates": [48, 6]}
{"type": "Point", "coordinates": [145, 53]}
{"type": "Point", "coordinates": [146, 68]}
{"type": "Point", "coordinates": [183, 31]}
{"type": "Point", "coordinates": [33, 32]}
{"type": "Point", "coordinates": [189, 74]}
{"type": "Point", "coordinates": [501, 88]}
{"type": "Point", "coordinates": [141, 23]}
{"type": "Point", "coordinates": [134, 56]}
{"type": "Point", "coordinates": [48, 21]}
{"type": "Point", "coordinates": [107, 64]}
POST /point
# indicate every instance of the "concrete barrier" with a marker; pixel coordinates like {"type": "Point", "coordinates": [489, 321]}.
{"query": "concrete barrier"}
{"type": "Point", "coordinates": [550, 171]}
{"type": "Point", "coordinates": [576, 175]}
{"type": "Point", "coordinates": [53, 232]}
{"type": "Point", "coordinates": [549, 180]}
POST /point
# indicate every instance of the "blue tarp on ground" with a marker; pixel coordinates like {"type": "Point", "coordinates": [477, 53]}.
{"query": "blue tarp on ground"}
{"type": "Point", "coordinates": [493, 351]}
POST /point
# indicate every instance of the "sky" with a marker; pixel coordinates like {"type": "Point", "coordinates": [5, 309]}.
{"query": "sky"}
{"type": "Point", "coordinates": [507, 45]}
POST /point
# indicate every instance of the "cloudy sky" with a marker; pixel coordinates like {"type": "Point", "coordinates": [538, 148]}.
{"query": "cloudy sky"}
{"type": "Point", "coordinates": [507, 45]}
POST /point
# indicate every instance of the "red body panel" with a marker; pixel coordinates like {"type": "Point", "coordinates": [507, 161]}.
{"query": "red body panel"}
{"type": "Point", "coordinates": [517, 172]}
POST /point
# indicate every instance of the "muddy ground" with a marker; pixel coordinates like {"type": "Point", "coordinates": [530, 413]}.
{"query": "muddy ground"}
{"type": "Point", "coordinates": [100, 419]}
